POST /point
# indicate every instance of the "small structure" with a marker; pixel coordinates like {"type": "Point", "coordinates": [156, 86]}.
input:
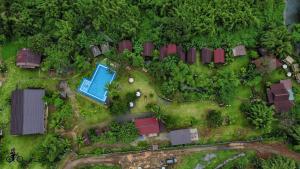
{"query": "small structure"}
{"type": "Point", "coordinates": [295, 68]}
{"type": "Point", "coordinates": [147, 126]}
{"type": "Point", "coordinates": [171, 49]}
{"type": "Point", "coordinates": [63, 86]}
{"type": "Point", "coordinates": [28, 59]}
{"type": "Point", "coordinates": [289, 60]}
{"type": "Point", "coordinates": [86, 139]}
{"type": "Point", "coordinates": [206, 55]}
{"type": "Point", "coordinates": [181, 53]}
{"type": "Point", "coordinates": [297, 76]}
{"type": "Point", "coordinates": [124, 45]}
{"type": "Point", "coordinates": [183, 136]}
{"type": "Point", "coordinates": [191, 56]}
{"type": "Point", "coordinates": [148, 49]}
{"type": "Point", "coordinates": [131, 80]}
{"type": "Point", "coordinates": [239, 51]}
{"type": "Point", "coordinates": [162, 52]}
{"type": "Point", "coordinates": [289, 74]}
{"type": "Point", "coordinates": [267, 63]}
{"type": "Point", "coordinates": [105, 47]}
{"type": "Point", "coordinates": [138, 93]}
{"type": "Point", "coordinates": [95, 50]}
{"type": "Point", "coordinates": [131, 105]}
{"type": "Point", "coordinates": [284, 66]}
{"type": "Point", "coordinates": [219, 56]}
{"type": "Point", "coordinates": [27, 112]}
{"type": "Point", "coordinates": [280, 97]}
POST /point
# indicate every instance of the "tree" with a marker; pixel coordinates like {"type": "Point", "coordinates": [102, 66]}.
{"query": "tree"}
{"type": "Point", "coordinates": [259, 115]}
{"type": "Point", "coordinates": [278, 162]}
{"type": "Point", "coordinates": [214, 119]}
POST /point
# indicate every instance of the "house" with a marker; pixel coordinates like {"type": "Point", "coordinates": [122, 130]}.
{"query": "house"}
{"type": "Point", "coordinates": [105, 47]}
{"type": "Point", "coordinates": [289, 60]}
{"type": "Point", "coordinates": [280, 96]}
{"type": "Point", "coordinates": [171, 49]}
{"type": "Point", "coordinates": [147, 126]}
{"type": "Point", "coordinates": [148, 49]}
{"type": "Point", "coordinates": [162, 52]}
{"type": "Point", "coordinates": [183, 136]}
{"type": "Point", "coordinates": [219, 56]}
{"type": "Point", "coordinates": [239, 51]}
{"type": "Point", "coordinates": [28, 59]}
{"type": "Point", "coordinates": [95, 50]}
{"type": "Point", "coordinates": [27, 112]}
{"type": "Point", "coordinates": [191, 56]}
{"type": "Point", "coordinates": [124, 45]}
{"type": "Point", "coordinates": [267, 63]}
{"type": "Point", "coordinates": [206, 55]}
{"type": "Point", "coordinates": [295, 68]}
{"type": "Point", "coordinates": [181, 53]}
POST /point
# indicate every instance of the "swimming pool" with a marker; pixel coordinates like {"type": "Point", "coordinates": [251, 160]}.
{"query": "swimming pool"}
{"type": "Point", "coordinates": [95, 88]}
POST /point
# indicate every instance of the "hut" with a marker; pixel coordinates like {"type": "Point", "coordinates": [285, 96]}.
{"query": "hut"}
{"type": "Point", "coordinates": [148, 50]}
{"type": "Point", "coordinates": [191, 56]}
{"type": "Point", "coordinates": [95, 50]}
{"type": "Point", "coordinates": [206, 55]}
{"type": "Point", "coordinates": [124, 45]}
{"type": "Point", "coordinates": [219, 56]}
{"type": "Point", "coordinates": [28, 59]}
{"type": "Point", "coordinates": [239, 51]}
{"type": "Point", "coordinates": [181, 53]}
{"type": "Point", "coordinates": [289, 60]}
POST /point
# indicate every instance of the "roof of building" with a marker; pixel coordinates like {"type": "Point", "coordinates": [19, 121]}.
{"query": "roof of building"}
{"type": "Point", "coordinates": [123, 45]}
{"type": "Point", "coordinates": [287, 83]}
{"type": "Point", "coordinates": [206, 55]}
{"type": "Point", "coordinates": [148, 49]}
{"type": "Point", "coordinates": [289, 60]}
{"type": "Point", "coordinates": [183, 136]}
{"type": "Point", "coordinates": [27, 113]}
{"type": "Point", "coordinates": [262, 51]}
{"type": "Point", "coordinates": [283, 106]}
{"type": "Point", "coordinates": [162, 52]}
{"type": "Point", "coordinates": [95, 50]}
{"type": "Point", "coordinates": [191, 56]}
{"type": "Point", "coordinates": [105, 47]}
{"type": "Point", "coordinates": [239, 50]}
{"type": "Point", "coordinates": [28, 59]}
{"type": "Point", "coordinates": [280, 96]}
{"type": "Point", "coordinates": [181, 53]}
{"type": "Point", "coordinates": [219, 55]}
{"type": "Point", "coordinates": [147, 126]}
{"type": "Point", "coordinates": [171, 49]}
{"type": "Point", "coordinates": [267, 63]}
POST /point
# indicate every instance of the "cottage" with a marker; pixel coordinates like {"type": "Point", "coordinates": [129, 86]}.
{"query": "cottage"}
{"type": "Point", "coordinates": [206, 55]}
{"type": "Point", "coordinates": [162, 52]}
{"type": "Point", "coordinates": [147, 126]}
{"type": "Point", "coordinates": [239, 51]}
{"type": "Point", "coordinates": [171, 49]}
{"type": "Point", "coordinates": [181, 53]}
{"type": "Point", "coordinates": [289, 60]}
{"type": "Point", "coordinates": [28, 59]}
{"type": "Point", "coordinates": [148, 49]}
{"type": "Point", "coordinates": [191, 56]}
{"type": "Point", "coordinates": [124, 45]}
{"type": "Point", "coordinates": [280, 96]}
{"type": "Point", "coordinates": [105, 47]}
{"type": "Point", "coordinates": [295, 68]}
{"type": "Point", "coordinates": [183, 136]}
{"type": "Point", "coordinates": [219, 56]}
{"type": "Point", "coordinates": [27, 112]}
{"type": "Point", "coordinates": [95, 50]}
{"type": "Point", "coordinates": [267, 63]}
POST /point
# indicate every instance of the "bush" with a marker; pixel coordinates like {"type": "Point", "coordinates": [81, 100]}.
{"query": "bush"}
{"type": "Point", "coordinates": [214, 119]}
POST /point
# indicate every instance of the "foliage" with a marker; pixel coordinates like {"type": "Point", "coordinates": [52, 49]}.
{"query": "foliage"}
{"type": "Point", "coordinates": [51, 149]}
{"type": "Point", "coordinates": [214, 119]}
{"type": "Point", "coordinates": [296, 33]}
{"type": "Point", "coordinates": [278, 162]}
{"type": "Point", "coordinates": [248, 75]}
{"type": "Point", "coordinates": [259, 115]}
{"type": "Point", "coordinates": [3, 67]}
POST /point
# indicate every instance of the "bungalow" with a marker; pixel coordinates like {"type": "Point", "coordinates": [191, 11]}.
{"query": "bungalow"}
{"type": "Point", "coordinates": [219, 56]}
{"type": "Point", "coordinates": [148, 49]}
{"type": "Point", "coordinates": [181, 53]}
{"type": "Point", "coordinates": [289, 60]}
{"type": "Point", "coordinates": [162, 52]}
{"type": "Point", "coordinates": [295, 68]}
{"type": "Point", "coordinates": [147, 126]}
{"type": "Point", "coordinates": [27, 112]}
{"type": "Point", "coordinates": [95, 50]}
{"type": "Point", "coordinates": [239, 51]}
{"type": "Point", "coordinates": [28, 59]}
{"type": "Point", "coordinates": [206, 55]}
{"type": "Point", "coordinates": [183, 136]}
{"type": "Point", "coordinates": [191, 56]}
{"type": "Point", "coordinates": [171, 49]}
{"type": "Point", "coordinates": [279, 95]}
{"type": "Point", "coordinates": [123, 45]}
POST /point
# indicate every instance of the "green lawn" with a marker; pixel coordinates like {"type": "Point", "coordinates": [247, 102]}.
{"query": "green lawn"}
{"type": "Point", "coordinates": [192, 160]}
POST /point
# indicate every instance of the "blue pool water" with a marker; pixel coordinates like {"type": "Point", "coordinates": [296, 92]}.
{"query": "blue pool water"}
{"type": "Point", "coordinates": [95, 87]}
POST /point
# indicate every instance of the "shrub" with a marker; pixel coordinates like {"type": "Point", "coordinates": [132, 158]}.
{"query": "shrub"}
{"type": "Point", "coordinates": [214, 119]}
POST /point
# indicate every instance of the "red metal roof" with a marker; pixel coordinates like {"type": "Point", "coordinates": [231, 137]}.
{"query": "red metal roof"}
{"type": "Point", "coordinates": [280, 96]}
{"type": "Point", "coordinates": [219, 55]}
{"type": "Point", "coordinates": [147, 126]}
{"type": "Point", "coordinates": [181, 53]}
{"type": "Point", "coordinates": [171, 49]}
{"type": "Point", "coordinates": [123, 45]}
{"type": "Point", "coordinates": [26, 58]}
{"type": "Point", "coordinates": [162, 52]}
{"type": "Point", "coordinates": [148, 49]}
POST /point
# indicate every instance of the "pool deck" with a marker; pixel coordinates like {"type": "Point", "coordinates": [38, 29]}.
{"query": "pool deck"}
{"type": "Point", "coordinates": [94, 90]}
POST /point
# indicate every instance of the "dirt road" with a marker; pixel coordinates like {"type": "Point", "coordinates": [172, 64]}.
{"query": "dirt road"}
{"type": "Point", "coordinates": [152, 159]}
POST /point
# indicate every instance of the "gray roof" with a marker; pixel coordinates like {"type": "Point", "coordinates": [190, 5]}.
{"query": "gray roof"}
{"type": "Point", "coordinates": [183, 136]}
{"type": "Point", "coordinates": [27, 113]}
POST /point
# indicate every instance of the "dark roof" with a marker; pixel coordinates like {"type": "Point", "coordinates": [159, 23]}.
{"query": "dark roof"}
{"type": "Point", "coordinates": [191, 56]}
{"type": "Point", "coordinates": [206, 55]}
{"type": "Point", "coordinates": [262, 51]}
{"type": "Point", "coordinates": [279, 95]}
{"type": "Point", "coordinates": [219, 55]}
{"type": "Point", "coordinates": [95, 50]}
{"type": "Point", "coordinates": [283, 106]}
{"type": "Point", "coordinates": [181, 53]}
{"type": "Point", "coordinates": [279, 92]}
{"type": "Point", "coordinates": [148, 49]}
{"type": "Point", "coordinates": [27, 113]}
{"type": "Point", "coordinates": [171, 49]}
{"type": "Point", "coordinates": [162, 52]}
{"type": "Point", "coordinates": [27, 59]}
{"type": "Point", "coordinates": [123, 45]}
{"type": "Point", "coordinates": [147, 126]}
{"type": "Point", "coordinates": [183, 136]}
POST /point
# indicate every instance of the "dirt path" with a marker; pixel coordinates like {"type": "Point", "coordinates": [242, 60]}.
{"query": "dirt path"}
{"type": "Point", "coordinates": [152, 159]}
